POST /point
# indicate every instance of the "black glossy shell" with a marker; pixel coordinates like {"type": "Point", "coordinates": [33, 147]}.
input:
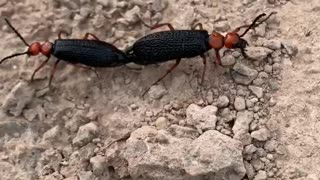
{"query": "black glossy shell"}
{"type": "Point", "coordinates": [169, 45]}
{"type": "Point", "coordinates": [92, 53]}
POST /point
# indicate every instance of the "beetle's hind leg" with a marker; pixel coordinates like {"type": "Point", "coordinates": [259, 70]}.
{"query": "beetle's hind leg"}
{"type": "Point", "coordinates": [163, 76]}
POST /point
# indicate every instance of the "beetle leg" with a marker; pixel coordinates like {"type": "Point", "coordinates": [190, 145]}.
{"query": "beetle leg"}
{"type": "Point", "coordinates": [204, 58]}
{"type": "Point", "coordinates": [163, 76]}
{"type": "Point", "coordinates": [39, 67]}
{"type": "Point", "coordinates": [53, 70]}
{"type": "Point", "coordinates": [161, 25]}
{"type": "Point", "coordinates": [62, 32]}
{"type": "Point", "coordinates": [116, 40]}
{"type": "Point", "coordinates": [90, 36]}
{"type": "Point", "coordinates": [86, 67]}
{"type": "Point", "coordinates": [196, 25]}
{"type": "Point", "coordinates": [218, 58]}
{"type": "Point", "coordinates": [157, 25]}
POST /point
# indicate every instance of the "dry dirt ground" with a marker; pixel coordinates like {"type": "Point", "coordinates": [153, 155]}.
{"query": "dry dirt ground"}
{"type": "Point", "coordinates": [269, 126]}
{"type": "Point", "coordinates": [296, 116]}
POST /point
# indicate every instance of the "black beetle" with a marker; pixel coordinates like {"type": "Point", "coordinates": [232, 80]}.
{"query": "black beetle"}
{"type": "Point", "coordinates": [164, 46]}
{"type": "Point", "coordinates": [87, 52]}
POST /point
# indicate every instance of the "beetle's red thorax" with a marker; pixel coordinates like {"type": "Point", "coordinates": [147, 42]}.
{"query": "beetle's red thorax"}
{"type": "Point", "coordinates": [46, 48]}
{"type": "Point", "coordinates": [216, 40]}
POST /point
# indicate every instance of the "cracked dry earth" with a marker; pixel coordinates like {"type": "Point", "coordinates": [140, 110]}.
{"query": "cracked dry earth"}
{"type": "Point", "coordinates": [253, 118]}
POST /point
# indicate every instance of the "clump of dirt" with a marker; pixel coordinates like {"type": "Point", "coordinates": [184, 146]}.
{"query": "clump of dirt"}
{"type": "Point", "coordinates": [101, 128]}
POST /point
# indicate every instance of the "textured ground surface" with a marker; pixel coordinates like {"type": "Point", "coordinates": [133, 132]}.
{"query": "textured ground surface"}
{"type": "Point", "coordinates": [262, 113]}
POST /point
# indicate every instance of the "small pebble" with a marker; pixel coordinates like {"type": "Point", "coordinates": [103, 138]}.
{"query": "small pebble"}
{"type": "Point", "coordinates": [270, 157]}
{"type": "Point", "coordinates": [223, 101]}
{"type": "Point", "coordinates": [258, 91]}
{"type": "Point", "coordinates": [271, 145]}
{"type": "Point", "coordinates": [272, 44]}
{"type": "Point", "coordinates": [243, 74]}
{"type": "Point", "coordinates": [257, 164]}
{"type": "Point", "coordinates": [261, 175]}
{"type": "Point", "coordinates": [254, 100]}
{"type": "Point", "coordinates": [261, 134]}
{"type": "Point", "coordinates": [239, 103]}
{"type": "Point", "coordinates": [268, 68]}
{"type": "Point", "coordinates": [272, 102]}
{"type": "Point", "coordinates": [98, 164]}
{"type": "Point", "coordinates": [134, 107]}
{"type": "Point", "coordinates": [228, 60]}
{"type": "Point", "coordinates": [210, 97]}
{"type": "Point", "coordinates": [96, 140]}
{"type": "Point", "coordinates": [250, 170]}
{"type": "Point", "coordinates": [149, 114]}
{"type": "Point", "coordinates": [86, 175]}
{"type": "Point", "coordinates": [85, 134]}
{"type": "Point", "coordinates": [227, 115]}
{"type": "Point", "coordinates": [226, 132]}
{"type": "Point", "coordinates": [162, 123]}
{"type": "Point", "coordinates": [256, 109]}
{"type": "Point", "coordinates": [221, 26]}
{"type": "Point", "coordinates": [258, 82]}
{"type": "Point", "coordinates": [156, 92]}
{"type": "Point", "coordinates": [258, 53]}
{"type": "Point", "coordinates": [261, 153]}
{"type": "Point", "coordinates": [274, 85]}
{"type": "Point", "coordinates": [291, 49]}
{"type": "Point", "coordinates": [250, 149]}
{"type": "Point", "coordinates": [249, 103]}
{"type": "Point", "coordinates": [167, 107]}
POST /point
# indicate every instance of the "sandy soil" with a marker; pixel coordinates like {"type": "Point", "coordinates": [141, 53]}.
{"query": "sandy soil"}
{"type": "Point", "coordinates": [31, 140]}
{"type": "Point", "coordinates": [296, 116]}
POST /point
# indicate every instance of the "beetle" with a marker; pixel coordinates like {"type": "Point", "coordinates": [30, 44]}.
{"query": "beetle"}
{"type": "Point", "coordinates": [88, 52]}
{"type": "Point", "coordinates": [174, 44]}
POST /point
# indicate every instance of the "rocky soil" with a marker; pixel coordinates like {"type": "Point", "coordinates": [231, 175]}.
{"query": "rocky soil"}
{"type": "Point", "coordinates": [254, 118]}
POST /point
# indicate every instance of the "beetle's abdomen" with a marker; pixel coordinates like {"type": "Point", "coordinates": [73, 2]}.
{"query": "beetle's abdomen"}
{"type": "Point", "coordinates": [170, 45]}
{"type": "Point", "coordinates": [92, 53]}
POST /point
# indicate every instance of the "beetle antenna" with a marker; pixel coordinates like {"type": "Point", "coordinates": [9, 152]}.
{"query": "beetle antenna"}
{"type": "Point", "coordinates": [17, 33]}
{"type": "Point", "coordinates": [13, 55]}
{"type": "Point", "coordinates": [255, 24]}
